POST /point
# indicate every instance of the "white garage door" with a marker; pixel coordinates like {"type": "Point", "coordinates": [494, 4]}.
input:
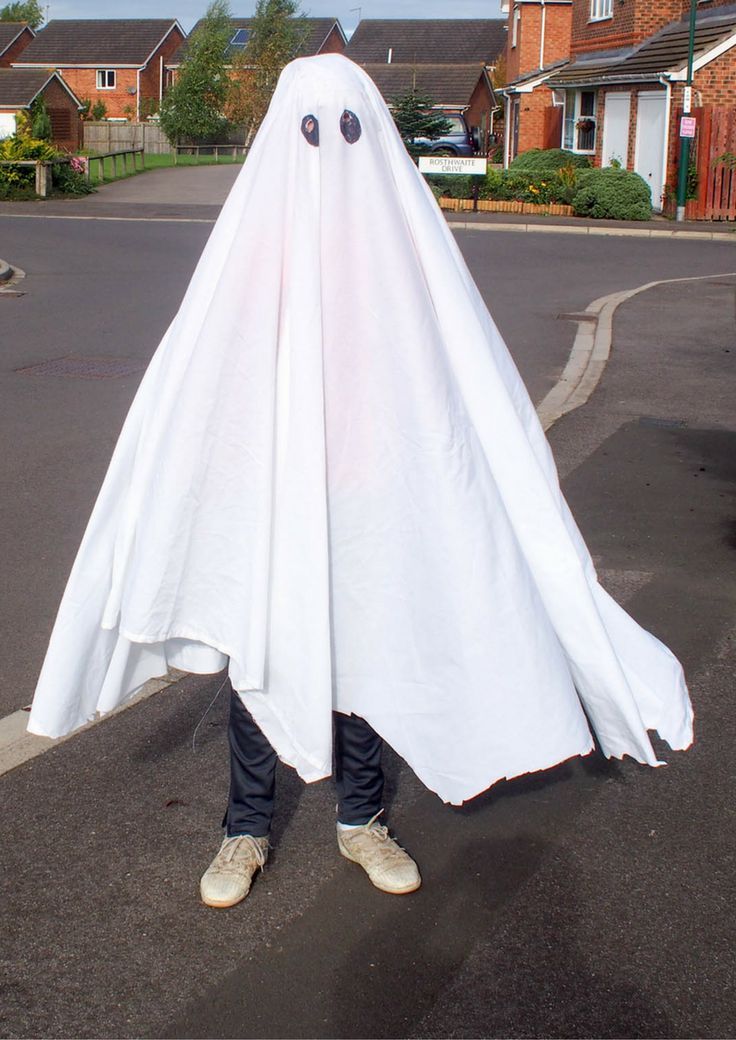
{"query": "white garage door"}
{"type": "Point", "coordinates": [650, 142]}
{"type": "Point", "coordinates": [616, 129]}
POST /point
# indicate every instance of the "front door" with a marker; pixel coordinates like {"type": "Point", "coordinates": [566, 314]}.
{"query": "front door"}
{"type": "Point", "coordinates": [616, 129]}
{"type": "Point", "coordinates": [651, 134]}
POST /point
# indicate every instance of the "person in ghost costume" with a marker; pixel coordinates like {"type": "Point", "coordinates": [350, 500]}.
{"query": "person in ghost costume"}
{"type": "Point", "coordinates": [332, 481]}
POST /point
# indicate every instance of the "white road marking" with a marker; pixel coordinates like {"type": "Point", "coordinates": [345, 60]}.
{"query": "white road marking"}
{"type": "Point", "coordinates": [135, 220]}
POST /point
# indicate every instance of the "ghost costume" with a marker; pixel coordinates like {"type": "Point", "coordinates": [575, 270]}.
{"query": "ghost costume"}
{"type": "Point", "coordinates": [332, 482]}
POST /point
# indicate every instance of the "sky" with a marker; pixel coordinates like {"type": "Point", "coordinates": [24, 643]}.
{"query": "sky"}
{"type": "Point", "coordinates": [188, 11]}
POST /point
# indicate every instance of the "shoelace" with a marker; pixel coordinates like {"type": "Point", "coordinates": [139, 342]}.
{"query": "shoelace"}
{"type": "Point", "coordinates": [243, 843]}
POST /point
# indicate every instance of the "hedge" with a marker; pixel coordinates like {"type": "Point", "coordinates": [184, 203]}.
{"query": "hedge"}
{"type": "Point", "coordinates": [538, 159]}
{"type": "Point", "coordinates": [612, 194]}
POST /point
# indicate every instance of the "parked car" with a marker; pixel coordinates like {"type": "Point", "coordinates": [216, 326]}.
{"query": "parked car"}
{"type": "Point", "coordinates": [459, 140]}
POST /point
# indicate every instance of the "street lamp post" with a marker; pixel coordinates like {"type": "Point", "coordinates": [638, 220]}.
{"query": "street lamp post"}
{"type": "Point", "coordinates": [686, 109]}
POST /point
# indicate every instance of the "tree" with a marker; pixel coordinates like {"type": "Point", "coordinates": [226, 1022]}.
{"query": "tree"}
{"type": "Point", "coordinates": [40, 121]}
{"type": "Point", "coordinates": [194, 107]}
{"type": "Point", "coordinates": [23, 11]}
{"type": "Point", "coordinates": [277, 35]}
{"type": "Point", "coordinates": [416, 119]}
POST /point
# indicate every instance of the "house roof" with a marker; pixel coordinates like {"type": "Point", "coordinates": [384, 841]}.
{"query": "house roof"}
{"type": "Point", "coordinates": [535, 76]}
{"type": "Point", "coordinates": [431, 41]}
{"type": "Point", "coordinates": [316, 32]}
{"type": "Point", "coordinates": [20, 87]}
{"type": "Point", "coordinates": [665, 53]}
{"type": "Point", "coordinates": [96, 41]}
{"type": "Point", "coordinates": [9, 33]}
{"type": "Point", "coordinates": [449, 86]}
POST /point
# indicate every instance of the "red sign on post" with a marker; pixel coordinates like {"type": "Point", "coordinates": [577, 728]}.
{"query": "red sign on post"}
{"type": "Point", "coordinates": [688, 126]}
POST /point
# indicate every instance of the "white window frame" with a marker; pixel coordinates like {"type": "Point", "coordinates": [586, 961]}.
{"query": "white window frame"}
{"type": "Point", "coordinates": [601, 10]}
{"type": "Point", "coordinates": [578, 115]}
{"type": "Point", "coordinates": [105, 74]}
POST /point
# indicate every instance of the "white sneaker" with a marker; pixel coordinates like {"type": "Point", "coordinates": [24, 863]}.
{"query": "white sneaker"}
{"type": "Point", "coordinates": [387, 865]}
{"type": "Point", "coordinates": [228, 878]}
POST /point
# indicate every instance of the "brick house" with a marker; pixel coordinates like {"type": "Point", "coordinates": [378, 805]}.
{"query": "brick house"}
{"type": "Point", "coordinates": [399, 52]}
{"type": "Point", "coordinates": [634, 90]}
{"type": "Point", "coordinates": [321, 36]}
{"type": "Point", "coordinates": [14, 38]}
{"type": "Point", "coordinates": [454, 88]}
{"type": "Point", "coordinates": [19, 88]}
{"type": "Point", "coordinates": [538, 43]}
{"type": "Point", "coordinates": [119, 61]}
{"type": "Point", "coordinates": [619, 96]}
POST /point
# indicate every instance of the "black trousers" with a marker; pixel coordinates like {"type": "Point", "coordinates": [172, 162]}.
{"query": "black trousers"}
{"type": "Point", "coordinates": [358, 772]}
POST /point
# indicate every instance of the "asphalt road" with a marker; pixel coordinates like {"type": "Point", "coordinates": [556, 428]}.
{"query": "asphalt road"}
{"type": "Point", "coordinates": [592, 900]}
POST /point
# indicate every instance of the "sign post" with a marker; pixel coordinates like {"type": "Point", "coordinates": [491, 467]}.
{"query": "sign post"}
{"type": "Point", "coordinates": [455, 166]}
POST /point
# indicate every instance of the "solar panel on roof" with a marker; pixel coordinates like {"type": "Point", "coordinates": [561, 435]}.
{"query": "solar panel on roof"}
{"type": "Point", "coordinates": [240, 38]}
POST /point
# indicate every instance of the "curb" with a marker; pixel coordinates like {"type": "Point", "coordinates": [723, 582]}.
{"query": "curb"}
{"type": "Point", "coordinates": [592, 349]}
{"type": "Point", "coordinates": [6, 271]}
{"type": "Point", "coordinates": [574, 229]}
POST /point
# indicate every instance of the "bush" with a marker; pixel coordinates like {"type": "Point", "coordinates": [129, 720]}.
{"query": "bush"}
{"type": "Point", "coordinates": [68, 179]}
{"type": "Point", "coordinates": [21, 148]}
{"type": "Point", "coordinates": [548, 159]}
{"type": "Point", "coordinates": [612, 194]}
{"type": "Point", "coordinates": [457, 187]}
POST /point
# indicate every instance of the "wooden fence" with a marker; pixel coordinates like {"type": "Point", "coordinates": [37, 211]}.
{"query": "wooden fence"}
{"type": "Point", "coordinates": [716, 137]}
{"type": "Point", "coordinates": [120, 137]}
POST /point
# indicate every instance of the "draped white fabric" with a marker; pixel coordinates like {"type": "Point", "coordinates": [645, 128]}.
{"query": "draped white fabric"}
{"type": "Point", "coordinates": [333, 481]}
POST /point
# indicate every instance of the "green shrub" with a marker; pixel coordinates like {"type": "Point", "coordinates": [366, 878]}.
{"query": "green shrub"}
{"type": "Point", "coordinates": [21, 148]}
{"type": "Point", "coordinates": [510, 185]}
{"type": "Point", "coordinates": [456, 187]}
{"type": "Point", "coordinates": [67, 179]}
{"type": "Point", "coordinates": [548, 159]}
{"type": "Point", "coordinates": [612, 194]}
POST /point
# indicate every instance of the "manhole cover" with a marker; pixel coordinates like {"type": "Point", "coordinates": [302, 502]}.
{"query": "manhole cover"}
{"type": "Point", "coordinates": [667, 424]}
{"type": "Point", "coordinates": [85, 367]}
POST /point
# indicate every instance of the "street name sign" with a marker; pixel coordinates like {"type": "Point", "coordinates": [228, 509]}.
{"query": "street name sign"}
{"type": "Point", "coordinates": [688, 126]}
{"type": "Point", "coordinates": [453, 164]}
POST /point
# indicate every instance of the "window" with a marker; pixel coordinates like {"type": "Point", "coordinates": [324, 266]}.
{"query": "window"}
{"type": "Point", "coordinates": [600, 9]}
{"type": "Point", "coordinates": [579, 125]}
{"type": "Point", "coordinates": [106, 79]}
{"type": "Point", "coordinates": [515, 26]}
{"type": "Point", "coordinates": [240, 39]}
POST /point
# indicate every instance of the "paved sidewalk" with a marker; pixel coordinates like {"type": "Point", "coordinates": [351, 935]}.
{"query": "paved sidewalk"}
{"type": "Point", "coordinates": [197, 193]}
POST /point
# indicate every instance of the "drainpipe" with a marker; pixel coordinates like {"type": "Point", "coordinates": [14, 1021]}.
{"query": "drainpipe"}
{"type": "Point", "coordinates": [685, 141]}
{"type": "Point", "coordinates": [507, 130]}
{"type": "Point", "coordinates": [138, 96]}
{"type": "Point", "coordinates": [160, 77]}
{"type": "Point", "coordinates": [544, 27]}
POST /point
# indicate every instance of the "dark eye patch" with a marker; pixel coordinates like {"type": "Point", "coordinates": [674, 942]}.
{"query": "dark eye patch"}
{"type": "Point", "coordinates": [310, 129]}
{"type": "Point", "coordinates": [350, 127]}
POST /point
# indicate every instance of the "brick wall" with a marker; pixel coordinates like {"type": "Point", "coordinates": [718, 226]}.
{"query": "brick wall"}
{"type": "Point", "coordinates": [531, 118]}
{"type": "Point", "coordinates": [525, 57]}
{"type": "Point", "coordinates": [715, 84]}
{"type": "Point", "coordinates": [84, 84]}
{"type": "Point", "coordinates": [334, 44]}
{"type": "Point", "coordinates": [151, 75]}
{"type": "Point", "coordinates": [632, 21]}
{"type": "Point", "coordinates": [65, 121]}
{"type": "Point", "coordinates": [11, 54]}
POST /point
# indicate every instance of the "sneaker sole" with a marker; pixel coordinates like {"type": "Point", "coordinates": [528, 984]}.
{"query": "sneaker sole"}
{"type": "Point", "coordinates": [405, 891]}
{"type": "Point", "coordinates": [221, 905]}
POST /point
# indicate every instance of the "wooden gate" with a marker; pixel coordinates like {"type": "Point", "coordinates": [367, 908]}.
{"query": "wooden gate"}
{"type": "Point", "coordinates": [716, 137]}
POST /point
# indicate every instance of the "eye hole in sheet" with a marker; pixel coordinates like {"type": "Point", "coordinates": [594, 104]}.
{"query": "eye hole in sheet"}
{"type": "Point", "coordinates": [310, 129]}
{"type": "Point", "coordinates": [350, 127]}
